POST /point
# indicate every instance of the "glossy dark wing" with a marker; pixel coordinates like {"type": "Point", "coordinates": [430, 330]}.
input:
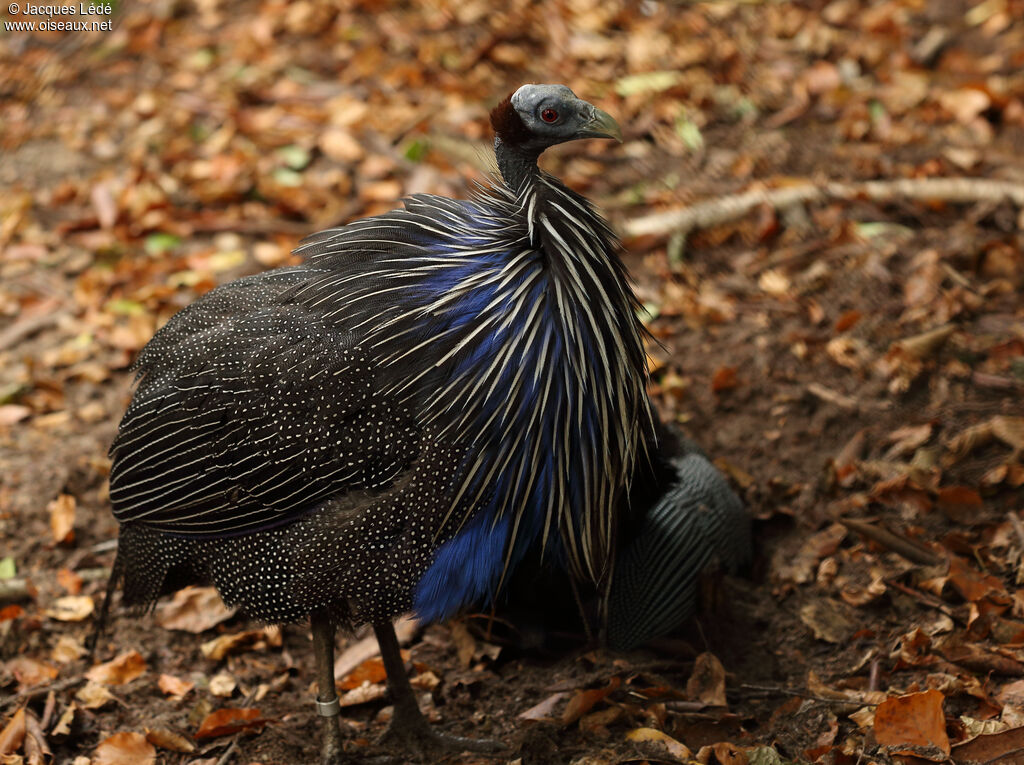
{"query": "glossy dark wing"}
{"type": "Point", "coordinates": [250, 408]}
{"type": "Point", "coordinates": [698, 522]}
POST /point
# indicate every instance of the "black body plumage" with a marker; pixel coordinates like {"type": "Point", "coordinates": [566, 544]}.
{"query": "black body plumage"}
{"type": "Point", "coordinates": [394, 424]}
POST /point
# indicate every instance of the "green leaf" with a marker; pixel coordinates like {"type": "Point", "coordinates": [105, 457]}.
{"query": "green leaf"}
{"type": "Point", "coordinates": [876, 229]}
{"type": "Point", "coordinates": [416, 150]}
{"type": "Point", "coordinates": [287, 177]}
{"type": "Point", "coordinates": [648, 82]}
{"type": "Point", "coordinates": [160, 243]}
{"type": "Point", "coordinates": [11, 392]}
{"type": "Point", "coordinates": [296, 157]}
{"type": "Point", "coordinates": [7, 568]}
{"type": "Point", "coordinates": [689, 132]}
{"type": "Point", "coordinates": [876, 111]}
{"type": "Point", "coordinates": [124, 307]}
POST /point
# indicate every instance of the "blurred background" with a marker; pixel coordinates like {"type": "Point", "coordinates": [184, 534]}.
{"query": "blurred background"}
{"type": "Point", "coordinates": [846, 352]}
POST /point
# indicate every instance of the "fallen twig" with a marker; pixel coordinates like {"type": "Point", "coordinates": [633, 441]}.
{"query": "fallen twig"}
{"type": "Point", "coordinates": [779, 691]}
{"type": "Point", "coordinates": [720, 210]}
{"type": "Point", "coordinates": [42, 690]}
{"type": "Point", "coordinates": [928, 600]}
{"type": "Point", "coordinates": [12, 590]}
{"type": "Point", "coordinates": [899, 545]}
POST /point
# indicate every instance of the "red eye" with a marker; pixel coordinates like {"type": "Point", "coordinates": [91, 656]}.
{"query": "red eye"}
{"type": "Point", "coordinates": [549, 115]}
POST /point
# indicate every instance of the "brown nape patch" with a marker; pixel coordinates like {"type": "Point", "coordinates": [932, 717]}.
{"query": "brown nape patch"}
{"type": "Point", "coordinates": [507, 124]}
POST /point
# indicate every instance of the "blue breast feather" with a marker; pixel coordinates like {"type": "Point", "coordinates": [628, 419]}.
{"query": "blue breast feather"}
{"type": "Point", "coordinates": [468, 568]}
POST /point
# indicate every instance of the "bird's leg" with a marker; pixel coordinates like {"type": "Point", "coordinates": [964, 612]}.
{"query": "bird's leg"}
{"type": "Point", "coordinates": [327, 696]}
{"type": "Point", "coordinates": [409, 728]}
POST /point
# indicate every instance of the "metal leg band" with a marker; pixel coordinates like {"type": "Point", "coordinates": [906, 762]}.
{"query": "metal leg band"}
{"type": "Point", "coordinates": [330, 708]}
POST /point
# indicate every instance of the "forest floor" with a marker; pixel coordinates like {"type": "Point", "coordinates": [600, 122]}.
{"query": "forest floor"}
{"type": "Point", "coordinates": [853, 359]}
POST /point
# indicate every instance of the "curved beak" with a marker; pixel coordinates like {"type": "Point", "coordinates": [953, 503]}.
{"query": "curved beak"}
{"type": "Point", "coordinates": [601, 125]}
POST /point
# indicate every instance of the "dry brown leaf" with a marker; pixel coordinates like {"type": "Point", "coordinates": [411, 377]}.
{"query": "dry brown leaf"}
{"type": "Point", "coordinates": [978, 658]}
{"type": "Point", "coordinates": [960, 504]}
{"type": "Point", "coordinates": [584, 700]}
{"type": "Point", "coordinates": [11, 612]}
{"type": "Point", "coordinates": [596, 723]}
{"type": "Point", "coordinates": [465, 645]}
{"type": "Point", "coordinates": [1012, 693]}
{"type": "Point", "coordinates": [103, 203]}
{"type": "Point", "coordinates": [724, 379]}
{"type": "Point", "coordinates": [800, 568]}
{"type": "Point", "coordinates": [545, 709]}
{"type": "Point", "coordinates": [1004, 746]}
{"type": "Point", "coordinates": [924, 345]}
{"type": "Point", "coordinates": [124, 749]}
{"type": "Point", "coordinates": [29, 672]}
{"type": "Point", "coordinates": [62, 519]}
{"type": "Point", "coordinates": [13, 733]}
{"type": "Point", "coordinates": [370, 671]}
{"type": "Point", "coordinates": [1009, 430]}
{"type": "Point", "coordinates": [965, 104]}
{"type": "Point", "coordinates": [67, 719]}
{"type": "Point", "coordinates": [380, 191]}
{"type": "Point", "coordinates": [364, 694]}
{"type": "Point", "coordinates": [226, 722]}
{"type": "Point", "coordinates": [168, 739]}
{"type": "Point", "coordinates": [406, 629]}
{"type": "Point", "coordinates": [175, 687]}
{"type": "Point", "coordinates": [339, 144]}
{"type": "Point", "coordinates": [71, 608]}
{"type": "Point", "coordinates": [774, 282]}
{"type": "Point", "coordinates": [675, 749]}
{"type": "Point", "coordinates": [69, 580]}
{"type": "Point", "coordinates": [425, 680]}
{"type": "Point", "coordinates": [829, 620]}
{"type": "Point", "coordinates": [913, 724]}
{"type": "Point", "coordinates": [194, 609]}
{"type": "Point", "coordinates": [971, 583]}
{"type": "Point", "coordinates": [722, 753]}
{"type": "Point", "coordinates": [907, 439]}
{"type": "Point", "coordinates": [67, 649]}
{"type": "Point", "coordinates": [848, 320]}
{"type": "Point", "coordinates": [119, 670]}
{"type": "Point", "coordinates": [250, 640]}
{"type": "Point", "coordinates": [223, 684]}
{"type": "Point", "coordinates": [707, 681]}
{"type": "Point", "coordinates": [94, 695]}
{"type": "Point", "coordinates": [970, 439]}
{"type": "Point", "coordinates": [849, 352]}
{"type": "Point", "coordinates": [35, 745]}
{"type": "Point", "coordinates": [11, 414]}
{"type": "Point", "coordinates": [864, 717]}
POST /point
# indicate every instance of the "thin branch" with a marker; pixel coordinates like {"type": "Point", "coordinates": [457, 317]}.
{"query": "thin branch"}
{"type": "Point", "coordinates": [42, 690]}
{"type": "Point", "coordinates": [720, 210]}
{"type": "Point", "coordinates": [903, 547]}
{"type": "Point", "coordinates": [774, 689]}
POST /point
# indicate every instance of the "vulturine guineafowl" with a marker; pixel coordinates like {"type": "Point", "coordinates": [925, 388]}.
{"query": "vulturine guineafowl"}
{"type": "Point", "coordinates": [394, 424]}
{"type": "Point", "coordinates": [688, 522]}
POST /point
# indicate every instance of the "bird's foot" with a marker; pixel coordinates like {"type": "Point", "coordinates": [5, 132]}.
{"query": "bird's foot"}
{"type": "Point", "coordinates": [331, 751]}
{"type": "Point", "coordinates": [410, 731]}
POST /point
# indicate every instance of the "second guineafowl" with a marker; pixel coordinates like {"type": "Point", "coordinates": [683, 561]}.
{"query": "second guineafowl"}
{"type": "Point", "coordinates": [687, 522]}
{"type": "Point", "coordinates": [393, 425]}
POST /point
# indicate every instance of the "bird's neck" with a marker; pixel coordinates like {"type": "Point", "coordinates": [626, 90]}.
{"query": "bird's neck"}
{"type": "Point", "coordinates": [518, 164]}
